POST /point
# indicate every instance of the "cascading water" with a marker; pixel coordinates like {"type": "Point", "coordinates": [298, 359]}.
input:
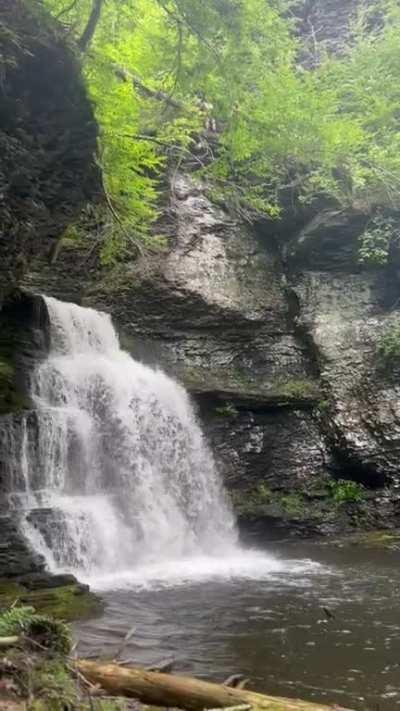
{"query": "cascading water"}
{"type": "Point", "coordinates": [114, 475]}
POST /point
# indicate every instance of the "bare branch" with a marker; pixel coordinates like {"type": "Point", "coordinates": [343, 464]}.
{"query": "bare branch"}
{"type": "Point", "coordinates": [146, 91]}
{"type": "Point", "coordinates": [67, 9]}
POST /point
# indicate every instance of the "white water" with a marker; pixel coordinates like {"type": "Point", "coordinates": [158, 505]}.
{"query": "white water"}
{"type": "Point", "coordinates": [118, 482]}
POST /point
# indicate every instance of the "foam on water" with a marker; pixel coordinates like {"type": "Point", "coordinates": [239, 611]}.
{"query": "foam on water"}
{"type": "Point", "coordinates": [116, 478]}
{"type": "Point", "coordinates": [235, 565]}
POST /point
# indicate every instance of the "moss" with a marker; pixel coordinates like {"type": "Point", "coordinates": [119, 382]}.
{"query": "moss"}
{"type": "Point", "coordinates": [9, 593]}
{"type": "Point", "coordinates": [252, 501]}
{"type": "Point", "coordinates": [39, 669]}
{"type": "Point", "coordinates": [298, 389]}
{"type": "Point", "coordinates": [294, 504]}
{"type": "Point", "coordinates": [53, 686]}
{"type": "Point", "coordinates": [69, 602]}
{"type": "Point", "coordinates": [323, 405]}
{"type": "Point", "coordinates": [376, 539]}
{"type": "Point", "coordinates": [260, 501]}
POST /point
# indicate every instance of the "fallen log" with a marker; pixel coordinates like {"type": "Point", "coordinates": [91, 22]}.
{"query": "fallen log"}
{"type": "Point", "coordinates": [168, 690]}
{"type": "Point", "coordinates": [8, 641]}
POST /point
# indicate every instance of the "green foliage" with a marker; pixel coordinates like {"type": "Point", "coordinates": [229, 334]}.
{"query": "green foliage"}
{"type": "Point", "coordinates": [344, 491]}
{"type": "Point", "coordinates": [252, 501]}
{"type": "Point", "coordinates": [227, 410]}
{"type": "Point", "coordinates": [299, 388]}
{"type": "Point", "coordinates": [52, 634]}
{"type": "Point", "coordinates": [53, 685]}
{"type": "Point", "coordinates": [293, 504]}
{"type": "Point", "coordinates": [376, 240]}
{"type": "Point", "coordinates": [323, 405]}
{"type": "Point", "coordinates": [389, 344]}
{"type": "Point", "coordinates": [161, 72]}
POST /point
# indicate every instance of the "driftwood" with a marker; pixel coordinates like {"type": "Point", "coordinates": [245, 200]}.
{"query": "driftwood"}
{"type": "Point", "coordinates": [8, 641]}
{"type": "Point", "coordinates": [184, 692]}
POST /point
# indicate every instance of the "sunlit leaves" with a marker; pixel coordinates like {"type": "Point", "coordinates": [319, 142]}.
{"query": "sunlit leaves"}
{"type": "Point", "coordinates": [332, 131]}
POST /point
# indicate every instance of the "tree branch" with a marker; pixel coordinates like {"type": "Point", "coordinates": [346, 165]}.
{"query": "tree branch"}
{"type": "Point", "coordinates": [146, 91]}
{"type": "Point", "coordinates": [66, 9]}
{"type": "Point", "coordinates": [90, 28]}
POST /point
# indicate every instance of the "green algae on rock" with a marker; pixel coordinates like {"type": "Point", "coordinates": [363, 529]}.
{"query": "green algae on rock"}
{"type": "Point", "coordinates": [67, 602]}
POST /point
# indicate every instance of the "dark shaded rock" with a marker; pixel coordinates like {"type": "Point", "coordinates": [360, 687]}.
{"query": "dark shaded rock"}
{"type": "Point", "coordinates": [16, 556]}
{"type": "Point", "coordinates": [282, 449]}
{"type": "Point", "coordinates": [326, 24]}
{"type": "Point", "coordinates": [47, 138]}
{"type": "Point", "coordinates": [38, 581]}
{"type": "Point", "coordinates": [329, 239]}
{"type": "Point", "coordinates": [24, 339]}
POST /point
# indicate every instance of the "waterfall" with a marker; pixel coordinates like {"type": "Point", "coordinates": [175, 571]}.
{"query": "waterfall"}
{"type": "Point", "coordinates": [116, 472]}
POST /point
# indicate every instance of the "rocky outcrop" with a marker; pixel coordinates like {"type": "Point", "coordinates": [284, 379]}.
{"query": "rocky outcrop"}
{"type": "Point", "coordinates": [47, 139]}
{"type": "Point", "coordinates": [346, 311]}
{"type": "Point", "coordinates": [16, 557]}
{"type": "Point", "coordinates": [213, 309]}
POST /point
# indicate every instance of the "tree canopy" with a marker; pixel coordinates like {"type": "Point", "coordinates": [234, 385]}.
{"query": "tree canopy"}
{"type": "Point", "coordinates": [221, 84]}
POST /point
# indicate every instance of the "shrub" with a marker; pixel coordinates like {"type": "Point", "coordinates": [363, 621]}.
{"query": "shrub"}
{"type": "Point", "coordinates": [389, 344]}
{"type": "Point", "coordinates": [376, 239]}
{"type": "Point", "coordinates": [346, 491]}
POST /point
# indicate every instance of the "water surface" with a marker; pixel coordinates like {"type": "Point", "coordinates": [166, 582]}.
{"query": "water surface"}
{"type": "Point", "coordinates": [274, 629]}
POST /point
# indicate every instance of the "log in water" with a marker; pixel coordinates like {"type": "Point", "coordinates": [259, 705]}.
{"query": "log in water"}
{"type": "Point", "coordinates": [186, 693]}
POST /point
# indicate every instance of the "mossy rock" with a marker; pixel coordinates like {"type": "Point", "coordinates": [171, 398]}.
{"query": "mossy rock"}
{"type": "Point", "coordinates": [389, 540]}
{"type": "Point", "coordinates": [68, 602]}
{"type": "Point", "coordinates": [259, 501]}
{"type": "Point", "coordinates": [296, 389]}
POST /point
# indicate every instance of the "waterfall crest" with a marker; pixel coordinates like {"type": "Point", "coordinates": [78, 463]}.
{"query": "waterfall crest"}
{"type": "Point", "coordinates": [117, 473]}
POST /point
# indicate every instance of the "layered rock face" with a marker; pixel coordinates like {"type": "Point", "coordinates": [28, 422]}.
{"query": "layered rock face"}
{"type": "Point", "coordinates": [346, 312]}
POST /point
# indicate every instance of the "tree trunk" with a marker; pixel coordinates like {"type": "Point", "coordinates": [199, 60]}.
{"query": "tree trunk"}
{"type": "Point", "coordinates": [183, 692]}
{"type": "Point", "coordinates": [90, 28]}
